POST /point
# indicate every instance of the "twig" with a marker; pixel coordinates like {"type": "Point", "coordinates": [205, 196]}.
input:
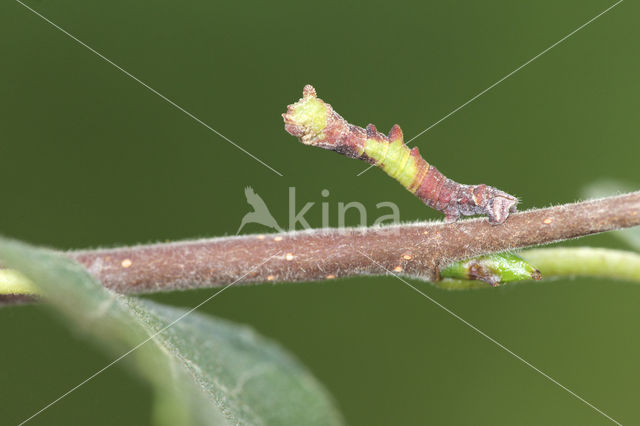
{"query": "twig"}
{"type": "Point", "coordinates": [415, 250]}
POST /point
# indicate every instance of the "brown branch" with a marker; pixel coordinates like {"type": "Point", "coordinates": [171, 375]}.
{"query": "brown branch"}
{"type": "Point", "coordinates": [17, 299]}
{"type": "Point", "coordinates": [416, 250]}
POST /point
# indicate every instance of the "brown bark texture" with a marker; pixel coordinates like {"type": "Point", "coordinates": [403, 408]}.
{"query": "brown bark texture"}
{"type": "Point", "coordinates": [416, 250]}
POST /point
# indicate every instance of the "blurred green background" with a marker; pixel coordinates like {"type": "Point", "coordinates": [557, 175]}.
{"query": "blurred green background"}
{"type": "Point", "coordinates": [91, 158]}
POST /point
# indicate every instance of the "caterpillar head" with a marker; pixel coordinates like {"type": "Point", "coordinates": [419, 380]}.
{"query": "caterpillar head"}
{"type": "Point", "coordinates": [307, 118]}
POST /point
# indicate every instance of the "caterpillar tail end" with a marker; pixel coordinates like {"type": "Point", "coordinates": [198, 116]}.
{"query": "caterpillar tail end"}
{"type": "Point", "coordinates": [495, 204]}
{"type": "Point", "coordinates": [500, 206]}
{"type": "Point", "coordinates": [456, 200]}
{"type": "Point", "coordinates": [487, 200]}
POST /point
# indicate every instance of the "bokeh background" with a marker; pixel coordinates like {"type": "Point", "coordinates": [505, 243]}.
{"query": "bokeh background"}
{"type": "Point", "coordinates": [91, 158]}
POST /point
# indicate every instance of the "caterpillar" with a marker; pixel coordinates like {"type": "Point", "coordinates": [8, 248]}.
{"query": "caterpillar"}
{"type": "Point", "coordinates": [315, 123]}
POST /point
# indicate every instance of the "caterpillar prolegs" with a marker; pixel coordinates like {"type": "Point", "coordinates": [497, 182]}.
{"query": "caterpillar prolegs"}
{"type": "Point", "coordinates": [315, 123]}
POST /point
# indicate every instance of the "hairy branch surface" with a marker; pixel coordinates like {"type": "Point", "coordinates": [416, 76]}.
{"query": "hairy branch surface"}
{"type": "Point", "coordinates": [416, 250]}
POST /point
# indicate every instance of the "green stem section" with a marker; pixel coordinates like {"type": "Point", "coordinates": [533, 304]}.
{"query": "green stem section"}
{"type": "Point", "coordinates": [569, 262]}
{"type": "Point", "coordinates": [586, 262]}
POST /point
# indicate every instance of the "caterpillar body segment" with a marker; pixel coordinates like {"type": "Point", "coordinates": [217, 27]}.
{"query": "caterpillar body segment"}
{"type": "Point", "coordinates": [315, 123]}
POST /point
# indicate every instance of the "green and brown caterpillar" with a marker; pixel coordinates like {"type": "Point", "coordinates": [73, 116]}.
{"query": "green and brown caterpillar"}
{"type": "Point", "coordinates": [315, 123]}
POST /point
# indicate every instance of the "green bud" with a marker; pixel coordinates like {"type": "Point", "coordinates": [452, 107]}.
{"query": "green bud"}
{"type": "Point", "coordinates": [13, 282]}
{"type": "Point", "coordinates": [495, 269]}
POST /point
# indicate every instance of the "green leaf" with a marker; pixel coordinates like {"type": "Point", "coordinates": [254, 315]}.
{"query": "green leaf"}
{"type": "Point", "coordinates": [204, 370]}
